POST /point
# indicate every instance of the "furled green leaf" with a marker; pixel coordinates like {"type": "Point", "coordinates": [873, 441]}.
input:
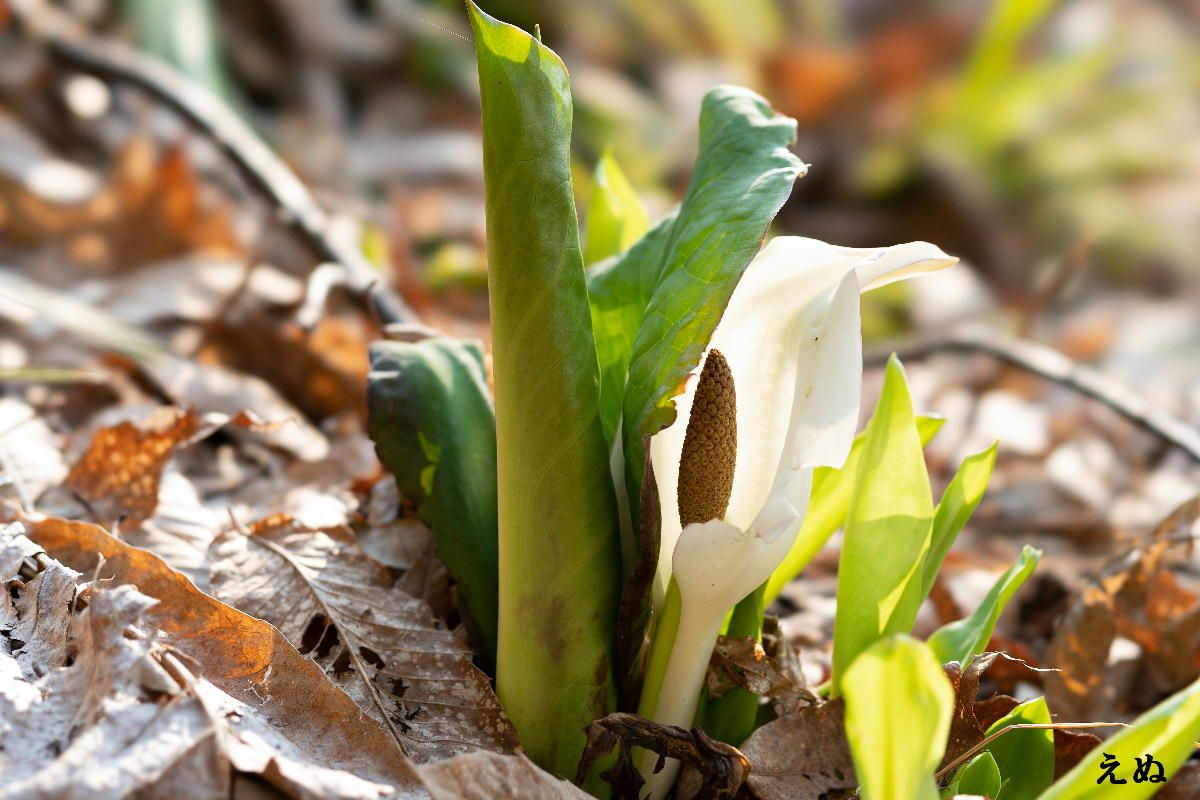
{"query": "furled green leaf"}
{"type": "Point", "coordinates": [827, 507]}
{"type": "Point", "coordinates": [431, 418]}
{"type": "Point", "coordinates": [958, 503]}
{"type": "Point", "coordinates": [616, 217]}
{"type": "Point", "coordinates": [1167, 732]}
{"type": "Point", "coordinates": [655, 307]}
{"type": "Point", "coordinates": [978, 777]}
{"type": "Point", "coordinates": [962, 639]}
{"type": "Point", "coordinates": [1025, 757]}
{"type": "Point", "coordinates": [559, 549]}
{"type": "Point", "coordinates": [898, 709]}
{"type": "Point", "coordinates": [887, 530]}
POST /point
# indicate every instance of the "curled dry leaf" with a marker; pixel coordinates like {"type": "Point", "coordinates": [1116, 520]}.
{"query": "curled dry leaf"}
{"type": "Point", "coordinates": [802, 756]}
{"type": "Point", "coordinates": [1140, 601]}
{"type": "Point", "coordinates": [744, 662]}
{"type": "Point", "coordinates": [93, 705]}
{"type": "Point", "coordinates": [244, 657]}
{"type": "Point", "coordinates": [385, 648]}
{"type": "Point", "coordinates": [722, 767]}
{"type": "Point", "coordinates": [118, 475]}
{"type": "Point", "coordinates": [966, 729]}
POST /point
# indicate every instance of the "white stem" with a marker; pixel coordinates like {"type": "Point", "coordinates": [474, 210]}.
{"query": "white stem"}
{"type": "Point", "coordinates": [680, 692]}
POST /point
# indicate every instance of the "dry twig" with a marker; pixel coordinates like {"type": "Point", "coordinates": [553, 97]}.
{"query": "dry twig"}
{"type": "Point", "coordinates": [1055, 367]}
{"type": "Point", "coordinates": [203, 110]}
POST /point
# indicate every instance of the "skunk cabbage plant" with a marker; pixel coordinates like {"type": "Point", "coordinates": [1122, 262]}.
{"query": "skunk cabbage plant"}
{"type": "Point", "coordinates": [778, 396]}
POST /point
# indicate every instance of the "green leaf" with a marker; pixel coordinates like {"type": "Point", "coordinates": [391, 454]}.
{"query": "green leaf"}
{"type": "Point", "coordinates": [431, 418]}
{"type": "Point", "coordinates": [827, 508]}
{"type": "Point", "coordinates": [182, 33]}
{"type": "Point", "coordinates": [655, 307]}
{"type": "Point", "coordinates": [898, 709]}
{"type": "Point", "coordinates": [962, 639]}
{"type": "Point", "coordinates": [979, 776]}
{"type": "Point", "coordinates": [958, 503]}
{"type": "Point", "coordinates": [616, 217]}
{"type": "Point", "coordinates": [1025, 757]}
{"type": "Point", "coordinates": [558, 533]}
{"type": "Point", "coordinates": [1168, 732]}
{"type": "Point", "coordinates": [887, 530]}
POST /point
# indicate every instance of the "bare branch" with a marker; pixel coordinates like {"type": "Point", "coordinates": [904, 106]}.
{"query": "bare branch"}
{"type": "Point", "coordinates": [1055, 367]}
{"type": "Point", "coordinates": [205, 112]}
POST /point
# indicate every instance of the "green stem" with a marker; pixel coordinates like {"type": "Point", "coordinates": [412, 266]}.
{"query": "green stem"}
{"type": "Point", "coordinates": [731, 717]}
{"type": "Point", "coordinates": [665, 629]}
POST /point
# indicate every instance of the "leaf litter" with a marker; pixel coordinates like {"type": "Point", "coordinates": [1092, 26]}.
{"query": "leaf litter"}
{"type": "Point", "coordinates": [167, 651]}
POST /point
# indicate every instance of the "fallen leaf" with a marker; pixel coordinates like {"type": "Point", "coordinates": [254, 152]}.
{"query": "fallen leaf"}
{"type": "Point", "coordinates": [745, 663]}
{"type": "Point", "coordinates": [722, 767]}
{"type": "Point", "coordinates": [386, 649]}
{"type": "Point", "coordinates": [240, 655]}
{"type": "Point", "coordinates": [29, 452]}
{"type": "Point", "coordinates": [966, 730]}
{"type": "Point", "coordinates": [483, 775]}
{"type": "Point", "coordinates": [118, 475]}
{"type": "Point", "coordinates": [1184, 785]}
{"type": "Point", "coordinates": [1070, 747]}
{"type": "Point", "coordinates": [92, 704]}
{"type": "Point", "coordinates": [803, 756]}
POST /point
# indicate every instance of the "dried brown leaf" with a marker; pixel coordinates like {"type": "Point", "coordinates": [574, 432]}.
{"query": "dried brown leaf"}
{"type": "Point", "coordinates": [803, 756]}
{"type": "Point", "coordinates": [385, 648]}
{"type": "Point", "coordinates": [966, 730]}
{"type": "Point", "coordinates": [483, 775]}
{"type": "Point", "coordinates": [29, 452]}
{"type": "Point", "coordinates": [722, 767]}
{"type": "Point", "coordinates": [244, 657]}
{"type": "Point", "coordinates": [118, 475]}
{"type": "Point", "coordinates": [92, 704]}
{"type": "Point", "coordinates": [745, 663]}
{"type": "Point", "coordinates": [1070, 747]}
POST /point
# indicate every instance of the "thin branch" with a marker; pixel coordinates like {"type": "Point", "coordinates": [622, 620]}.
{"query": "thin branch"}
{"type": "Point", "coordinates": [1022, 726]}
{"type": "Point", "coordinates": [1055, 367]}
{"type": "Point", "coordinates": [205, 112]}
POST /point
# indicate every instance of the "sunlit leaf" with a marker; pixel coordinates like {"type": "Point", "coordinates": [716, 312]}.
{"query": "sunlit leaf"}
{"type": "Point", "coordinates": [898, 708]}
{"type": "Point", "coordinates": [887, 530]}
{"type": "Point", "coordinates": [958, 503]}
{"type": "Point", "coordinates": [616, 217]}
{"type": "Point", "coordinates": [1167, 732]}
{"type": "Point", "coordinates": [1025, 757]}
{"type": "Point", "coordinates": [431, 418]}
{"type": "Point", "coordinates": [559, 549]}
{"type": "Point", "coordinates": [962, 639]}
{"type": "Point", "coordinates": [978, 777]}
{"type": "Point", "coordinates": [655, 307]}
{"type": "Point", "coordinates": [827, 507]}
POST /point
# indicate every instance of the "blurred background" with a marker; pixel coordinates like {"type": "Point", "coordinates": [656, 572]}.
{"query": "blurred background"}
{"type": "Point", "coordinates": [1054, 146]}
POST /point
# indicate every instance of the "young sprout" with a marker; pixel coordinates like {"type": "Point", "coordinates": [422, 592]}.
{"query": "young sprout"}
{"type": "Point", "coordinates": [778, 396]}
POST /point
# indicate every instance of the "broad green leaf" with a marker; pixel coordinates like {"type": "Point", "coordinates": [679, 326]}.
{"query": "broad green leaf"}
{"type": "Point", "coordinates": [1025, 757]}
{"type": "Point", "coordinates": [558, 533]}
{"type": "Point", "coordinates": [962, 639]}
{"type": "Point", "coordinates": [431, 418]}
{"type": "Point", "coordinates": [898, 709]}
{"type": "Point", "coordinates": [958, 503]}
{"type": "Point", "coordinates": [887, 530]}
{"type": "Point", "coordinates": [655, 307]}
{"type": "Point", "coordinates": [827, 507]}
{"type": "Point", "coordinates": [980, 776]}
{"type": "Point", "coordinates": [1167, 732]}
{"type": "Point", "coordinates": [616, 217]}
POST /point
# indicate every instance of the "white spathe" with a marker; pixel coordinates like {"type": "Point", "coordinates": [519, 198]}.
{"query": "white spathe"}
{"type": "Point", "coordinates": [792, 337]}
